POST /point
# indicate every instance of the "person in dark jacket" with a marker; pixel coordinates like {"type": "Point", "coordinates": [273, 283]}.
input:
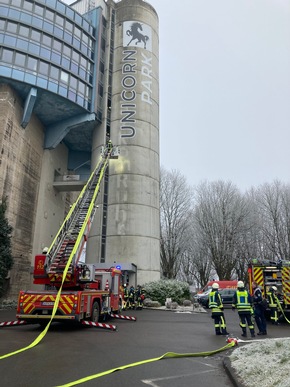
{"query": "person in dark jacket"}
{"type": "Point", "coordinates": [259, 310]}
{"type": "Point", "coordinates": [216, 305]}
{"type": "Point", "coordinates": [242, 301]}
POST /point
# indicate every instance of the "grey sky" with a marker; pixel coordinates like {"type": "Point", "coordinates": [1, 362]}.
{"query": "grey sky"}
{"type": "Point", "coordinates": [225, 89]}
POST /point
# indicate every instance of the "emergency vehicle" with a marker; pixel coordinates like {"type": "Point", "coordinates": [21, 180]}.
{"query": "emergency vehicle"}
{"type": "Point", "coordinates": [269, 273]}
{"type": "Point", "coordinates": [74, 290]}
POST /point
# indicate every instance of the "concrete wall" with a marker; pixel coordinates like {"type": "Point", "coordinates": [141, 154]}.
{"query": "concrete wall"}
{"type": "Point", "coordinates": [20, 171]}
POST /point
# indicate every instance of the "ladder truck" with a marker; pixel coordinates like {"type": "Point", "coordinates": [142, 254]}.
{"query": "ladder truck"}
{"type": "Point", "coordinates": [82, 292]}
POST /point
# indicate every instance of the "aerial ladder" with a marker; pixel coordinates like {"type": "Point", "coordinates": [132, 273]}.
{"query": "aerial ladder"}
{"type": "Point", "coordinates": [68, 244]}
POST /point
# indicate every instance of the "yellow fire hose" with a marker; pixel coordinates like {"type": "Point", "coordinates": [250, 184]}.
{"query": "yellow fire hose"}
{"type": "Point", "coordinates": [165, 356]}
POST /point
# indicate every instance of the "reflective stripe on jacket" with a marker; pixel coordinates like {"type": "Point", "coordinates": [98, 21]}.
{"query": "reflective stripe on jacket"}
{"type": "Point", "coordinates": [215, 300]}
{"type": "Point", "coordinates": [242, 301]}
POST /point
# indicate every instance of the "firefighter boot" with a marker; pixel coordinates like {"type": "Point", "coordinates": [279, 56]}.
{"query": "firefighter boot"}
{"type": "Point", "coordinates": [218, 332]}
{"type": "Point", "coordinates": [252, 333]}
{"type": "Point", "coordinates": [224, 332]}
{"type": "Point", "coordinates": [244, 334]}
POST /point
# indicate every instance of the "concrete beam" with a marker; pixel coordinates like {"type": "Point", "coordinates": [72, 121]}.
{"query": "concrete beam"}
{"type": "Point", "coordinates": [54, 134]}
{"type": "Point", "coordinates": [28, 107]}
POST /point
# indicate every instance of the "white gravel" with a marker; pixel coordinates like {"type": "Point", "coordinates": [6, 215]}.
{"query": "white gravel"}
{"type": "Point", "coordinates": [263, 363]}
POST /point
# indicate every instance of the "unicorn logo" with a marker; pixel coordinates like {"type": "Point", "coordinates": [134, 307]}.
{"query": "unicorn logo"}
{"type": "Point", "coordinates": [136, 31]}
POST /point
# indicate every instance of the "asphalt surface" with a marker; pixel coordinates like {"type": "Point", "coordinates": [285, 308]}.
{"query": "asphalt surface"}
{"type": "Point", "coordinates": [67, 353]}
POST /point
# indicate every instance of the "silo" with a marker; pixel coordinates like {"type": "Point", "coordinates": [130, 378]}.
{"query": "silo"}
{"type": "Point", "coordinates": [133, 224]}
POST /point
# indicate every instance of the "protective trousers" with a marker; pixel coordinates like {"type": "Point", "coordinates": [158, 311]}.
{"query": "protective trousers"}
{"type": "Point", "coordinates": [219, 322]}
{"type": "Point", "coordinates": [245, 319]}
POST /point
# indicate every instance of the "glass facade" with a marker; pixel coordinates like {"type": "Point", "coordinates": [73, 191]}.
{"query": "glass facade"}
{"type": "Point", "coordinates": [47, 44]}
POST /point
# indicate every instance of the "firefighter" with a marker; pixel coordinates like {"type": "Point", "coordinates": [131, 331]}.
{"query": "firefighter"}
{"type": "Point", "coordinates": [139, 297]}
{"type": "Point", "coordinates": [126, 297]}
{"type": "Point", "coordinates": [273, 304]}
{"type": "Point", "coordinates": [242, 301]}
{"type": "Point", "coordinates": [132, 297]}
{"type": "Point", "coordinates": [109, 145]}
{"type": "Point", "coordinates": [259, 310]}
{"type": "Point", "coordinates": [217, 314]}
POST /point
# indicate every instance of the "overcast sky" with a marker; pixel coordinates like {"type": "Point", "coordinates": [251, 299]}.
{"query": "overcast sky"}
{"type": "Point", "coordinates": [225, 89]}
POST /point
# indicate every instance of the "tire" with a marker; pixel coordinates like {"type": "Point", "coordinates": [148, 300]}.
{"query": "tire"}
{"type": "Point", "coordinates": [95, 312]}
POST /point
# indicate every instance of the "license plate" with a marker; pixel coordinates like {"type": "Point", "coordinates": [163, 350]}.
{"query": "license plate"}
{"type": "Point", "coordinates": [47, 303]}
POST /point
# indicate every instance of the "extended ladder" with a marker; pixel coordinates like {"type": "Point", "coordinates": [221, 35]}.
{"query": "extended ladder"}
{"type": "Point", "coordinates": [70, 240]}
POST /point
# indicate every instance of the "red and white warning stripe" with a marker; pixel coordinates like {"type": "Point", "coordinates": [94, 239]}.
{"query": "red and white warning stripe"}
{"type": "Point", "coordinates": [123, 317]}
{"type": "Point", "coordinates": [100, 325]}
{"type": "Point", "coordinates": [12, 323]}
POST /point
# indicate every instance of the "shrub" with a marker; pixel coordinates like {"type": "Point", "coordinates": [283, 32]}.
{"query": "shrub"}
{"type": "Point", "coordinates": [162, 289]}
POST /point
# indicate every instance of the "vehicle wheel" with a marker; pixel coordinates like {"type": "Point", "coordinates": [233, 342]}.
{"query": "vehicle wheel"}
{"type": "Point", "coordinates": [95, 312]}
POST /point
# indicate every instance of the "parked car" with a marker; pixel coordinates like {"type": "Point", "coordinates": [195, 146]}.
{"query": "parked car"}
{"type": "Point", "coordinates": [226, 295]}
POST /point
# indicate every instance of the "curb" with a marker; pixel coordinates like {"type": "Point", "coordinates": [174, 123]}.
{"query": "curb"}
{"type": "Point", "coordinates": [231, 373]}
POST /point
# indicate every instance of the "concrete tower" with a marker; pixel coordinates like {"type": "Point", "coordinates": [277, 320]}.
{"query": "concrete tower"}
{"type": "Point", "coordinates": [133, 232]}
{"type": "Point", "coordinates": [132, 122]}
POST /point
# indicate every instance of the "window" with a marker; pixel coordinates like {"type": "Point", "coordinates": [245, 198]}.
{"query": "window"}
{"type": "Point", "coordinates": [12, 27]}
{"type": "Point", "coordinates": [73, 82]}
{"type": "Point", "coordinates": [77, 32]}
{"type": "Point", "coordinates": [52, 86]}
{"type": "Point", "coordinates": [66, 50]}
{"type": "Point", "coordinates": [29, 78]}
{"type": "Point", "coordinates": [27, 5]}
{"type": "Point", "coordinates": [23, 31]}
{"type": "Point", "coordinates": [59, 20]}
{"type": "Point", "coordinates": [54, 72]}
{"type": "Point", "coordinates": [58, 32]}
{"type": "Point", "coordinates": [68, 26]}
{"type": "Point", "coordinates": [9, 41]}
{"type": "Point", "coordinates": [69, 13]}
{"type": "Point", "coordinates": [56, 45]}
{"type": "Point", "coordinates": [76, 56]}
{"type": "Point", "coordinates": [33, 48]}
{"type": "Point", "coordinates": [67, 37]}
{"type": "Point", "coordinates": [19, 59]}
{"type": "Point", "coordinates": [49, 15]}
{"type": "Point", "coordinates": [41, 82]}
{"type": "Point", "coordinates": [65, 63]}
{"type": "Point", "coordinates": [22, 44]}
{"type": "Point", "coordinates": [27, 19]}
{"type": "Point", "coordinates": [47, 40]}
{"type": "Point", "coordinates": [64, 76]}
{"type": "Point", "coordinates": [31, 63]}
{"type": "Point", "coordinates": [81, 87]}
{"type": "Point", "coordinates": [38, 10]}
{"type": "Point", "coordinates": [37, 22]}
{"type": "Point", "coordinates": [35, 35]}
{"type": "Point", "coordinates": [55, 58]}
{"type": "Point", "coordinates": [13, 14]}
{"type": "Point", "coordinates": [7, 55]}
{"type": "Point", "coordinates": [48, 27]}
{"type": "Point", "coordinates": [43, 68]}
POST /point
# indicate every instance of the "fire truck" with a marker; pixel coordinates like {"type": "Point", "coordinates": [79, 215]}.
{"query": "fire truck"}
{"type": "Point", "coordinates": [73, 289]}
{"type": "Point", "coordinates": [270, 273]}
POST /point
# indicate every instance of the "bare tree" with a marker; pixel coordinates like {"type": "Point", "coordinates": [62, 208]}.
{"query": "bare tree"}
{"type": "Point", "coordinates": [273, 206]}
{"type": "Point", "coordinates": [175, 213]}
{"type": "Point", "coordinates": [220, 215]}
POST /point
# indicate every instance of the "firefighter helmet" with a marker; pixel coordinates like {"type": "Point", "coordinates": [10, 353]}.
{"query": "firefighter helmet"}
{"type": "Point", "coordinates": [241, 284]}
{"type": "Point", "coordinates": [215, 285]}
{"type": "Point", "coordinates": [274, 288]}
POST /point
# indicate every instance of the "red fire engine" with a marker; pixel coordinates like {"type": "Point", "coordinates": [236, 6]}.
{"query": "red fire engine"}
{"type": "Point", "coordinates": [74, 290]}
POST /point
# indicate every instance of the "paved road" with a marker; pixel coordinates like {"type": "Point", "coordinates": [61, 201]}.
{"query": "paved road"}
{"type": "Point", "coordinates": [69, 353]}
